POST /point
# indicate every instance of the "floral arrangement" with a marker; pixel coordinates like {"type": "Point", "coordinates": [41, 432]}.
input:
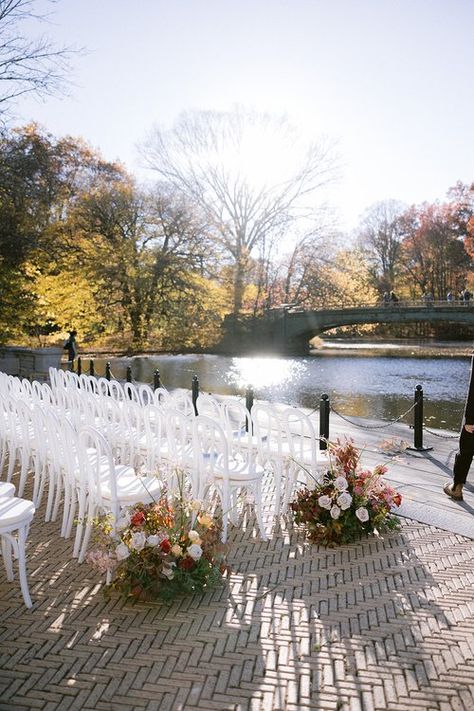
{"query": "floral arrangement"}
{"type": "Point", "coordinates": [160, 550]}
{"type": "Point", "coordinates": [347, 500]}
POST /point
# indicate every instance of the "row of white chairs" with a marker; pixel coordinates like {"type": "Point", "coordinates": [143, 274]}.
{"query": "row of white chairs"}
{"type": "Point", "coordinates": [285, 440]}
{"type": "Point", "coordinates": [227, 450]}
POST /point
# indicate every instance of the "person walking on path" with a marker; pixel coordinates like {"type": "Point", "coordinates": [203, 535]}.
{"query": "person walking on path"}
{"type": "Point", "coordinates": [71, 347]}
{"type": "Point", "coordinates": [465, 454]}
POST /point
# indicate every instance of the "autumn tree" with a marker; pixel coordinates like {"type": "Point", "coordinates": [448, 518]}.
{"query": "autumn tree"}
{"type": "Point", "coordinates": [461, 207]}
{"type": "Point", "coordinates": [40, 179]}
{"type": "Point", "coordinates": [433, 257]}
{"type": "Point", "coordinates": [379, 239]}
{"type": "Point", "coordinates": [147, 251]}
{"type": "Point", "coordinates": [246, 173]}
{"type": "Point", "coordinates": [301, 275]}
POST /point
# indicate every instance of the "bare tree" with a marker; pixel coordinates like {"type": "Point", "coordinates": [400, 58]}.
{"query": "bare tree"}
{"type": "Point", "coordinates": [27, 65]}
{"type": "Point", "coordinates": [235, 167]}
{"type": "Point", "coordinates": [379, 237]}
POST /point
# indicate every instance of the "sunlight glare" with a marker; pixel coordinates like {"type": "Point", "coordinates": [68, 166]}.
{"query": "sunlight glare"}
{"type": "Point", "coordinates": [264, 156]}
{"type": "Point", "coordinates": [263, 372]}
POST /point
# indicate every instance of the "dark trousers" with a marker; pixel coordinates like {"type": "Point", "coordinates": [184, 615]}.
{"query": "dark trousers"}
{"type": "Point", "coordinates": [463, 458]}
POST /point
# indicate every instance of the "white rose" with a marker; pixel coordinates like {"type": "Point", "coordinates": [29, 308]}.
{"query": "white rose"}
{"type": "Point", "coordinates": [194, 551]}
{"type": "Point", "coordinates": [122, 551]}
{"type": "Point", "coordinates": [340, 483]}
{"type": "Point", "coordinates": [194, 537]}
{"type": "Point", "coordinates": [138, 540]}
{"type": "Point", "coordinates": [196, 505]}
{"type": "Point", "coordinates": [176, 550]}
{"type": "Point", "coordinates": [344, 500]}
{"type": "Point", "coordinates": [153, 540]}
{"type": "Point", "coordinates": [325, 502]}
{"type": "Point", "coordinates": [123, 522]}
{"type": "Point", "coordinates": [362, 514]}
{"type": "Point", "coordinates": [335, 512]}
{"type": "Point", "coordinates": [168, 571]}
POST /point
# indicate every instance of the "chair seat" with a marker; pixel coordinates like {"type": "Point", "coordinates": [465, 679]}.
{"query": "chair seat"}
{"type": "Point", "coordinates": [239, 471]}
{"type": "Point", "coordinates": [6, 489]}
{"type": "Point", "coordinates": [131, 487]}
{"type": "Point", "coordinates": [14, 512]}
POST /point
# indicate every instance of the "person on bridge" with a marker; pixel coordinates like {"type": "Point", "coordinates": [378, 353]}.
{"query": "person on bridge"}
{"type": "Point", "coordinates": [465, 454]}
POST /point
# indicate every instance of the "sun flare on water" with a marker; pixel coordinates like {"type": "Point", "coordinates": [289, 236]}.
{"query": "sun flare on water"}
{"type": "Point", "coordinates": [263, 372]}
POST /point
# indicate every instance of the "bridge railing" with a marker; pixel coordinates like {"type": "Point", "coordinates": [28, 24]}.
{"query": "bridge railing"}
{"type": "Point", "coordinates": [401, 303]}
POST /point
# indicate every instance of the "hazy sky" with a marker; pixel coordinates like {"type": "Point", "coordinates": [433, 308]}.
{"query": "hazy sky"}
{"type": "Point", "coordinates": [390, 80]}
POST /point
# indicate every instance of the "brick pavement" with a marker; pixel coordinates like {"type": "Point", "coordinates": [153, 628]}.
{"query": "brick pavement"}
{"type": "Point", "coordinates": [384, 623]}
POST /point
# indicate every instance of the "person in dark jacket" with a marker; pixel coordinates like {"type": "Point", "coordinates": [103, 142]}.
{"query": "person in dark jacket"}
{"type": "Point", "coordinates": [465, 454]}
{"type": "Point", "coordinates": [71, 346]}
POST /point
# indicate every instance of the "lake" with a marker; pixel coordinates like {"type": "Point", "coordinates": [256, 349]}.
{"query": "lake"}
{"type": "Point", "coordinates": [375, 381]}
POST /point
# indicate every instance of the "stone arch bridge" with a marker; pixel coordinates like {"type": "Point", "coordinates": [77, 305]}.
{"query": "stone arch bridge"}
{"type": "Point", "coordinates": [288, 331]}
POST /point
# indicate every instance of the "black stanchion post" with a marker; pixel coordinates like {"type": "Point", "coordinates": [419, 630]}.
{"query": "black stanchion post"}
{"type": "Point", "coordinates": [195, 393]}
{"type": "Point", "coordinates": [156, 380]}
{"type": "Point", "coordinates": [323, 421]}
{"type": "Point", "coordinates": [108, 373]}
{"type": "Point", "coordinates": [418, 422]}
{"type": "Point", "coordinates": [79, 365]}
{"type": "Point", "coordinates": [249, 398]}
{"type": "Point", "coordinates": [91, 368]}
{"type": "Point", "coordinates": [128, 378]}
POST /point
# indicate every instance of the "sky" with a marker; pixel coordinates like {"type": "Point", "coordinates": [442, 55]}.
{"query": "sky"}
{"type": "Point", "coordinates": [389, 81]}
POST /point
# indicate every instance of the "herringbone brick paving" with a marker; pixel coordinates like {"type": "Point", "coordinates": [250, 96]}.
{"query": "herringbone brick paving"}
{"type": "Point", "coordinates": [384, 623]}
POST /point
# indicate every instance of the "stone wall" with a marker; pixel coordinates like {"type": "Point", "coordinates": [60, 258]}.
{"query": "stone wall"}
{"type": "Point", "coordinates": [32, 363]}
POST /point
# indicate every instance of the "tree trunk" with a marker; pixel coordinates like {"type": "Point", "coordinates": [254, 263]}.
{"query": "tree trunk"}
{"type": "Point", "coordinates": [239, 282]}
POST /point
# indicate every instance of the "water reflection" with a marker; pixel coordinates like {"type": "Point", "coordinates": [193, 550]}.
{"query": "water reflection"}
{"type": "Point", "coordinates": [374, 387]}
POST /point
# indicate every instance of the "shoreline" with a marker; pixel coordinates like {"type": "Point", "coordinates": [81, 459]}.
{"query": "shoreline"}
{"type": "Point", "coordinates": [393, 348]}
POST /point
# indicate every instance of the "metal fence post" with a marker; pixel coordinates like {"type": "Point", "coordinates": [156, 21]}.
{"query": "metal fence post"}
{"type": "Point", "coordinates": [108, 373]}
{"type": "Point", "coordinates": [91, 368]}
{"type": "Point", "coordinates": [418, 422]}
{"type": "Point", "coordinates": [128, 378]}
{"type": "Point", "coordinates": [324, 421]}
{"type": "Point", "coordinates": [79, 365]}
{"type": "Point", "coordinates": [156, 380]}
{"type": "Point", "coordinates": [195, 392]}
{"type": "Point", "coordinates": [249, 398]}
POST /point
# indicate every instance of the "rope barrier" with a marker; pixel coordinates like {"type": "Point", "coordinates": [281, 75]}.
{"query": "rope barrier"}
{"type": "Point", "coordinates": [373, 427]}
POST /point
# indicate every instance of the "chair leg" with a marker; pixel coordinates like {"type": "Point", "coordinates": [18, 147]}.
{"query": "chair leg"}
{"type": "Point", "coordinates": [57, 500]}
{"type": "Point", "coordinates": [80, 525]}
{"type": "Point", "coordinates": [258, 510]}
{"type": "Point", "coordinates": [7, 557]}
{"type": "Point", "coordinates": [87, 534]}
{"type": "Point", "coordinates": [22, 535]}
{"type": "Point", "coordinates": [226, 505]}
{"type": "Point", "coordinates": [25, 461]}
{"type": "Point", "coordinates": [12, 455]}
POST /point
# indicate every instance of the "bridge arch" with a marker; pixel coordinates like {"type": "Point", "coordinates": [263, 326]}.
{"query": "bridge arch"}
{"type": "Point", "coordinates": [304, 325]}
{"type": "Point", "coordinates": [289, 331]}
